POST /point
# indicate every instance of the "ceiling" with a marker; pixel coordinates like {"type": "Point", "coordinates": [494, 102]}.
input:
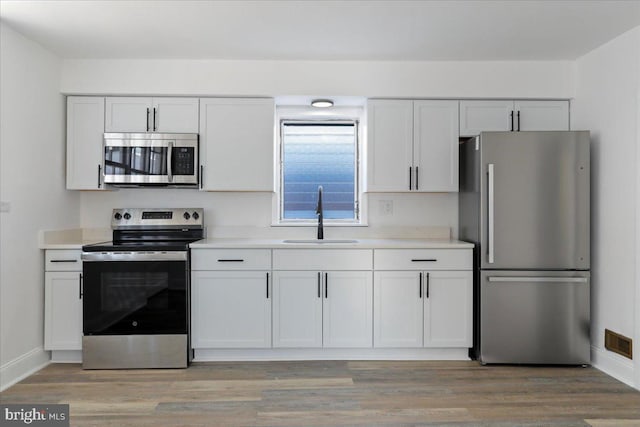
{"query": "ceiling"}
{"type": "Point", "coordinates": [322, 29]}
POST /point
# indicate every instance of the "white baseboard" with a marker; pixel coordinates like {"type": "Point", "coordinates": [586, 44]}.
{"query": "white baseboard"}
{"type": "Point", "coordinates": [66, 356]}
{"type": "Point", "coordinates": [612, 364]}
{"type": "Point", "coordinates": [21, 367]}
{"type": "Point", "coordinates": [279, 354]}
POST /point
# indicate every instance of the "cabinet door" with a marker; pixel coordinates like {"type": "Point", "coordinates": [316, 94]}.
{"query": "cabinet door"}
{"type": "Point", "coordinates": [62, 311]}
{"type": "Point", "coordinates": [128, 114]}
{"type": "Point", "coordinates": [85, 129]}
{"type": "Point", "coordinates": [478, 116]}
{"type": "Point", "coordinates": [348, 309]}
{"type": "Point", "coordinates": [230, 309]}
{"type": "Point", "coordinates": [177, 115]}
{"type": "Point", "coordinates": [435, 145]}
{"type": "Point", "coordinates": [542, 115]}
{"type": "Point", "coordinates": [389, 145]}
{"type": "Point", "coordinates": [297, 309]}
{"type": "Point", "coordinates": [398, 309]}
{"type": "Point", "coordinates": [236, 145]}
{"type": "Point", "coordinates": [448, 309]}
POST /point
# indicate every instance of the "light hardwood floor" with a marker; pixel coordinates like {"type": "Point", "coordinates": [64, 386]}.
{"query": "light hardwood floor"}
{"type": "Point", "coordinates": [340, 393]}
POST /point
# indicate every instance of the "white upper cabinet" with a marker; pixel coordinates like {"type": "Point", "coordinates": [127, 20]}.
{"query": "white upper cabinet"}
{"type": "Point", "coordinates": [236, 144]}
{"type": "Point", "coordinates": [412, 146]}
{"type": "Point", "coordinates": [542, 115]}
{"type": "Point", "coordinates": [482, 115]}
{"type": "Point", "coordinates": [389, 144]}
{"type": "Point", "coordinates": [140, 114]}
{"type": "Point", "coordinates": [435, 145]}
{"type": "Point", "coordinates": [85, 129]}
{"type": "Point", "coordinates": [507, 115]}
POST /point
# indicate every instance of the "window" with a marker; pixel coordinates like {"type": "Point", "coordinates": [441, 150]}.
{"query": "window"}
{"type": "Point", "coordinates": [313, 154]}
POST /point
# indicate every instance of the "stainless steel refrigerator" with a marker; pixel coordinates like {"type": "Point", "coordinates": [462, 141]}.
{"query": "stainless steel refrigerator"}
{"type": "Point", "coordinates": [524, 202]}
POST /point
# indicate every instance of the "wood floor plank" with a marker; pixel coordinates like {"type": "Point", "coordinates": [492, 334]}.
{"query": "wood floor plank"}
{"type": "Point", "coordinates": [335, 393]}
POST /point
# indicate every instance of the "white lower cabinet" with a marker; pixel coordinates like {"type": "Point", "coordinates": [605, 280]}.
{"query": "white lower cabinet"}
{"type": "Point", "coordinates": [417, 307]}
{"type": "Point", "coordinates": [297, 309]}
{"type": "Point", "coordinates": [322, 309]}
{"type": "Point", "coordinates": [231, 309]}
{"type": "Point", "coordinates": [63, 300]}
{"type": "Point", "coordinates": [448, 309]}
{"type": "Point", "coordinates": [331, 302]}
{"type": "Point", "coordinates": [423, 309]}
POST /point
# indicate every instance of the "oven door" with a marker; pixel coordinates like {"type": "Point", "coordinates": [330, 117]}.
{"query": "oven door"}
{"type": "Point", "coordinates": [135, 293]}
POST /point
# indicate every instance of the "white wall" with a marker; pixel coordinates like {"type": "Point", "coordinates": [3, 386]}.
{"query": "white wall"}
{"type": "Point", "coordinates": [606, 102]}
{"type": "Point", "coordinates": [494, 79]}
{"type": "Point", "coordinates": [32, 180]}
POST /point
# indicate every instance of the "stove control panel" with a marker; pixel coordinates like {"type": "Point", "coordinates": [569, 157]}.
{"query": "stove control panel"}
{"type": "Point", "coordinates": [142, 218]}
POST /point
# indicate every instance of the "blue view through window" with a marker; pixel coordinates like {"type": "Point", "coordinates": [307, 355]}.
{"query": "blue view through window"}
{"type": "Point", "coordinates": [319, 155]}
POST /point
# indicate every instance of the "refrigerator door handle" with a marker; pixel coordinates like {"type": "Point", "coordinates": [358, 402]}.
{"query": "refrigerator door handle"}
{"type": "Point", "coordinates": [538, 279]}
{"type": "Point", "coordinates": [491, 214]}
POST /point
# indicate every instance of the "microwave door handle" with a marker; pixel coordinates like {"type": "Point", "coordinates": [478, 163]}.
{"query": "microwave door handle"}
{"type": "Point", "coordinates": [169, 161]}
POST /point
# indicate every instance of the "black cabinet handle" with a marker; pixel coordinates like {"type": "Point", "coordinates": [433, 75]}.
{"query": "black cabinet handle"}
{"type": "Point", "coordinates": [319, 285]}
{"type": "Point", "coordinates": [511, 120]}
{"type": "Point", "coordinates": [147, 119]}
{"type": "Point", "coordinates": [424, 260]}
{"type": "Point", "coordinates": [410, 176]}
{"type": "Point", "coordinates": [64, 260]}
{"type": "Point", "coordinates": [420, 289]}
{"type": "Point", "coordinates": [201, 175]}
{"type": "Point", "coordinates": [518, 121]}
{"type": "Point", "coordinates": [267, 285]}
{"type": "Point", "coordinates": [428, 285]}
{"type": "Point", "coordinates": [326, 285]}
{"type": "Point", "coordinates": [80, 286]}
{"type": "Point", "coordinates": [99, 175]}
{"type": "Point", "coordinates": [230, 260]}
{"type": "Point", "coordinates": [417, 178]}
{"type": "Point", "coordinates": [155, 123]}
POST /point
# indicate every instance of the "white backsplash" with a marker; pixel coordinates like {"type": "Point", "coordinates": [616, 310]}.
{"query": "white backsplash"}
{"type": "Point", "coordinates": [239, 214]}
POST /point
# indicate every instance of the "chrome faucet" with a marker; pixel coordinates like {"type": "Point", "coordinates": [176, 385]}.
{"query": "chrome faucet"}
{"type": "Point", "coordinates": [319, 213]}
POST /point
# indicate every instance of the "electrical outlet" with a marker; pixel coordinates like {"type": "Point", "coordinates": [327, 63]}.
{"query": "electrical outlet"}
{"type": "Point", "coordinates": [386, 207]}
{"type": "Point", "coordinates": [5, 206]}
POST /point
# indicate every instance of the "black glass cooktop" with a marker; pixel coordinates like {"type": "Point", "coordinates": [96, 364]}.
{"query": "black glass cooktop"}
{"type": "Point", "coordinates": [138, 246]}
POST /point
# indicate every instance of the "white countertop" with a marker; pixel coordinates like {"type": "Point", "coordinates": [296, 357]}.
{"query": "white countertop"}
{"type": "Point", "coordinates": [227, 243]}
{"type": "Point", "coordinates": [76, 238]}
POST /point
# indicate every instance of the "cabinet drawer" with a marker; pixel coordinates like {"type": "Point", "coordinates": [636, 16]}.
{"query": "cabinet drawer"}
{"type": "Point", "coordinates": [322, 259]}
{"type": "Point", "coordinates": [62, 260]}
{"type": "Point", "coordinates": [423, 259]}
{"type": "Point", "coordinates": [231, 259]}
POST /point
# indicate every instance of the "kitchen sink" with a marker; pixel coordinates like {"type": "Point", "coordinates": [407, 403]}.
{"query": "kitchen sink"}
{"type": "Point", "coordinates": [318, 241]}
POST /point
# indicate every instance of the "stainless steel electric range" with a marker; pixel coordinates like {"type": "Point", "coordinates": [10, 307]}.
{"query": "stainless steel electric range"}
{"type": "Point", "coordinates": [136, 290]}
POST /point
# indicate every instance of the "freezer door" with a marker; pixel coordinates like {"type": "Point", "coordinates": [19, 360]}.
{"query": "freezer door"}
{"type": "Point", "coordinates": [534, 317]}
{"type": "Point", "coordinates": [534, 200]}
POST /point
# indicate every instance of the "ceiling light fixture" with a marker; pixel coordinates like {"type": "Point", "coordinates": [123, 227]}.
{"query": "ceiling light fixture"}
{"type": "Point", "coordinates": [322, 103]}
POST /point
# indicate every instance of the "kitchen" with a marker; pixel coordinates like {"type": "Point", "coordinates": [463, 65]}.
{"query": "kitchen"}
{"type": "Point", "coordinates": [601, 81]}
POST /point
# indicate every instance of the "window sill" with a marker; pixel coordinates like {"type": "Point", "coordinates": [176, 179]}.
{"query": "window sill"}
{"type": "Point", "coordinates": [315, 225]}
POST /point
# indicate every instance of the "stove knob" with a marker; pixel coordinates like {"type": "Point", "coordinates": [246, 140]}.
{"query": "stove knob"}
{"type": "Point", "coordinates": [127, 216]}
{"type": "Point", "coordinates": [118, 216]}
{"type": "Point", "coordinates": [186, 215]}
{"type": "Point", "coordinates": [195, 215]}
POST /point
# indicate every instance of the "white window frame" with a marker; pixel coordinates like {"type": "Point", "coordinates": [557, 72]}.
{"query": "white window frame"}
{"type": "Point", "coordinates": [310, 115]}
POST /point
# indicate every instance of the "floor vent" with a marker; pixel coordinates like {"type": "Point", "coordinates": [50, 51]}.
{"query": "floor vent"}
{"type": "Point", "coordinates": [618, 343]}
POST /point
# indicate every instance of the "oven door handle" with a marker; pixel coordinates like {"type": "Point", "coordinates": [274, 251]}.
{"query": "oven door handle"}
{"type": "Point", "coordinates": [134, 256]}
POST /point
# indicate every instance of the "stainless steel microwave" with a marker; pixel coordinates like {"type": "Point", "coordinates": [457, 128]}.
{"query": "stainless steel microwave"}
{"type": "Point", "coordinates": [138, 159]}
